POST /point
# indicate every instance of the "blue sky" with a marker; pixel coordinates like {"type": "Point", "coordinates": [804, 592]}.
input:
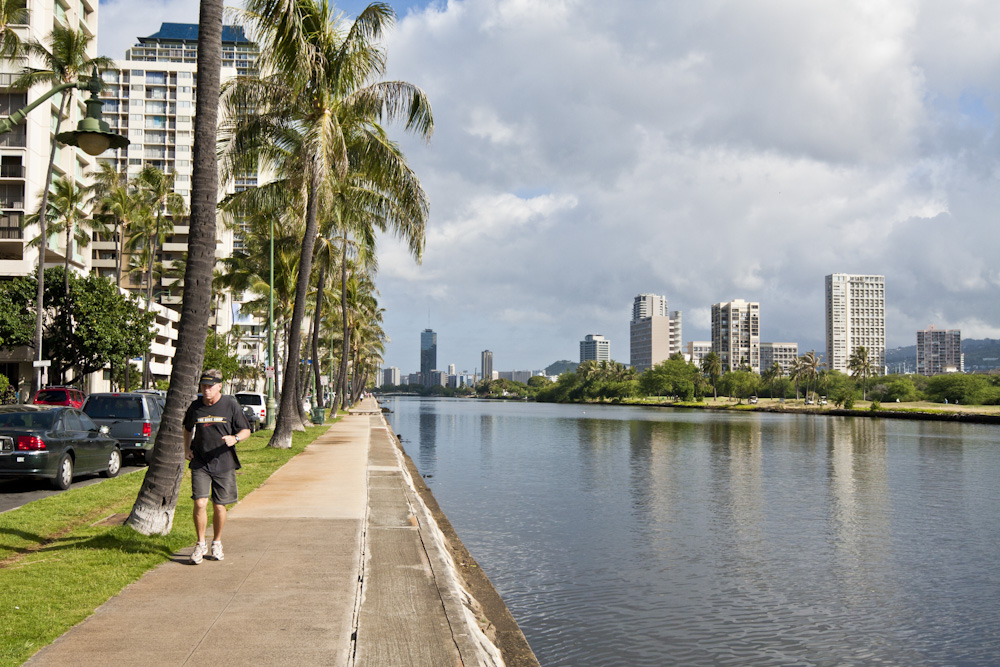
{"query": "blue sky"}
{"type": "Point", "coordinates": [587, 151]}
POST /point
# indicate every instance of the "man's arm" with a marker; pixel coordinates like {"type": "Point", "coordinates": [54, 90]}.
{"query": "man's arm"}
{"type": "Point", "coordinates": [188, 455]}
{"type": "Point", "coordinates": [231, 440]}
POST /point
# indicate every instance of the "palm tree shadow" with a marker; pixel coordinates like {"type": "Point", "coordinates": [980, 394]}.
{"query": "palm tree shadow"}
{"type": "Point", "coordinates": [33, 538]}
{"type": "Point", "coordinates": [110, 541]}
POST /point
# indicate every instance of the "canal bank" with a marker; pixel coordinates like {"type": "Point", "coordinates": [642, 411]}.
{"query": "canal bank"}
{"type": "Point", "coordinates": [335, 560]}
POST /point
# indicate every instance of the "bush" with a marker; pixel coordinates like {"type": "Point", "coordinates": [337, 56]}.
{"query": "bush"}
{"type": "Point", "coordinates": [875, 406]}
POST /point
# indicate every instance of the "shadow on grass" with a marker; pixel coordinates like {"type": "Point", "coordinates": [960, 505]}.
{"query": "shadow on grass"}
{"type": "Point", "coordinates": [117, 539]}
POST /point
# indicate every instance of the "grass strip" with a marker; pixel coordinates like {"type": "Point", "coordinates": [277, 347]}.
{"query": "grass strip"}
{"type": "Point", "coordinates": [59, 559]}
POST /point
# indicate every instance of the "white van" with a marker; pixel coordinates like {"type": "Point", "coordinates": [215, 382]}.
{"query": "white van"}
{"type": "Point", "coordinates": [255, 400]}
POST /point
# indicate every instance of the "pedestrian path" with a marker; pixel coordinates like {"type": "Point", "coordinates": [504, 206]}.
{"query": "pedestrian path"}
{"type": "Point", "coordinates": [333, 561]}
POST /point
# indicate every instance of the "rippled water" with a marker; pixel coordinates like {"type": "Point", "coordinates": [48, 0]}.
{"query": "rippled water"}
{"type": "Point", "coordinates": [631, 536]}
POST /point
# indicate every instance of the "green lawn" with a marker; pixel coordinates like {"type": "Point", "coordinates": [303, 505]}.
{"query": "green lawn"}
{"type": "Point", "coordinates": [63, 556]}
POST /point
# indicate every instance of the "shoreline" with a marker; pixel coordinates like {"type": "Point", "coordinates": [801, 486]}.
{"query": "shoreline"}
{"type": "Point", "coordinates": [499, 626]}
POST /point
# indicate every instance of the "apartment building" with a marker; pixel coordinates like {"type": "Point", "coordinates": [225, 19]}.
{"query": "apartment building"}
{"type": "Point", "coordinates": [784, 354]}
{"type": "Point", "coordinates": [654, 332]}
{"type": "Point", "coordinates": [939, 351]}
{"type": "Point", "coordinates": [698, 350]}
{"type": "Point", "coordinates": [855, 317]}
{"type": "Point", "coordinates": [736, 334]}
{"type": "Point", "coordinates": [595, 347]}
{"type": "Point", "coordinates": [391, 376]}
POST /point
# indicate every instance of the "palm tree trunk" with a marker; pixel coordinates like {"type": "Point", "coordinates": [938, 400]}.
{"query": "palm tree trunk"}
{"type": "Point", "coordinates": [42, 211]}
{"type": "Point", "coordinates": [153, 511]}
{"type": "Point", "coordinates": [345, 349]}
{"type": "Point", "coordinates": [317, 313]}
{"type": "Point", "coordinates": [119, 231]}
{"type": "Point", "coordinates": [282, 437]}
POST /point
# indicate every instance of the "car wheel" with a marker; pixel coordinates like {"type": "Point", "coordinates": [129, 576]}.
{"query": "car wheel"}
{"type": "Point", "coordinates": [114, 464]}
{"type": "Point", "coordinates": [64, 473]}
{"type": "Point", "coordinates": [145, 457]}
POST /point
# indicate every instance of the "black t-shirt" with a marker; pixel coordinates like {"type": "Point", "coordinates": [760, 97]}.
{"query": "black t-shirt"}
{"type": "Point", "coordinates": [210, 423]}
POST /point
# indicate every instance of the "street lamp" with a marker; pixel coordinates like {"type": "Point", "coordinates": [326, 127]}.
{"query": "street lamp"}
{"type": "Point", "coordinates": [93, 136]}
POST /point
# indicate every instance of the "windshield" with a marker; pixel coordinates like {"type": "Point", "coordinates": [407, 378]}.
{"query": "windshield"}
{"type": "Point", "coordinates": [51, 396]}
{"type": "Point", "coordinates": [249, 399]}
{"type": "Point", "coordinates": [114, 407]}
{"type": "Point", "coordinates": [31, 420]}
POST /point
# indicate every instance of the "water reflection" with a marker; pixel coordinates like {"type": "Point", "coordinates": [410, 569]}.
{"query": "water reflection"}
{"type": "Point", "coordinates": [648, 537]}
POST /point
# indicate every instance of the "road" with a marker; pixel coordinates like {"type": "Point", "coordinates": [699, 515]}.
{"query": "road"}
{"type": "Point", "coordinates": [15, 493]}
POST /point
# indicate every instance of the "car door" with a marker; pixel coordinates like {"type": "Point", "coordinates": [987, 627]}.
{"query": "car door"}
{"type": "Point", "coordinates": [102, 444]}
{"type": "Point", "coordinates": [72, 431]}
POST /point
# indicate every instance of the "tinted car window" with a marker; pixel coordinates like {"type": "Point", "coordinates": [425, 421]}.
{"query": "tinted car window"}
{"type": "Point", "coordinates": [42, 420]}
{"type": "Point", "coordinates": [248, 399]}
{"type": "Point", "coordinates": [114, 407]}
{"type": "Point", "coordinates": [50, 395]}
{"type": "Point", "coordinates": [87, 423]}
{"type": "Point", "coordinates": [71, 422]}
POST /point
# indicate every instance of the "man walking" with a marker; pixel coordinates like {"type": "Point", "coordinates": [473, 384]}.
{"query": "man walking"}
{"type": "Point", "coordinates": [213, 424]}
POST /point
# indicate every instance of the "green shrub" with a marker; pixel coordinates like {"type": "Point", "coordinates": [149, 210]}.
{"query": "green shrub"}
{"type": "Point", "coordinates": [875, 406]}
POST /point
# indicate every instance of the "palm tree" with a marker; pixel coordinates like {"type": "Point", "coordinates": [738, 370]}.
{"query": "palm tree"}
{"type": "Point", "coordinates": [711, 365]}
{"type": "Point", "coordinates": [12, 13]}
{"type": "Point", "coordinates": [808, 366]}
{"type": "Point", "coordinates": [771, 374]}
{"type": "Point", "coordinates": [860, 366]}
{"type": "Point", "coordinates": [64, 60]}
{"type": "Point", "coordinates": [153, 511]}
{"type": "Point", "coordinates": [315, 120]}
{"type": "Point", "coordinates": [115, 203]}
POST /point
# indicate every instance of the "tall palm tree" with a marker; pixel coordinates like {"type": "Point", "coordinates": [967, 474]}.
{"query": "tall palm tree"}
{"type": "Point", "coordinates": [711, 365]}
{"type": "Point", "coordinates": [115, 203]}
{"type": "Point", "coordinates": [770, 374]}
{"type": "Point", "coordinates": [808, 366]}
{"type": "Point", "coordinates": [860, 366]}
{"type": "Point", "coordinates": [153, 511]}
{"type": "Point", "coordinates": [316, 120]}
{"type": "Point", "coordinates": [63, 59]}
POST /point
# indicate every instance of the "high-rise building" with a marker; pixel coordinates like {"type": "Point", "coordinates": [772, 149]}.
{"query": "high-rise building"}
{"type": "Point", "coordinates": [595, 347]}
{"type": "Point", "coordinates": [391, 376]}
{"type": "Point", "coordinates": [654, 332]}
{"type": "Point", "coordinates": [783, 354]}
{"type": "Point", "coordinates": [487, 365]}
{"type": "Point", "coordinates": [736, 334]}
{"type": "Point", "coordinates": [698, 350]}
{"type": "Point", "coordinates": [855, 317]}
{"type": "Point", "coordinates": [428, 354]}
{"type": "Point", "coordinates": [939, 351]}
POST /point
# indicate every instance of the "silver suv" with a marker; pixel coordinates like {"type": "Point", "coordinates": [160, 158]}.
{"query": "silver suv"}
{"type": "Point", "coordinates": [133, 419]}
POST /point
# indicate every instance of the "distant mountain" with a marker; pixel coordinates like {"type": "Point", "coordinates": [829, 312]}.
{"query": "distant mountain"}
{"type": "Point", "coordinates": [980, 355]}
{"type": "Point", "coordinates": [560, 367]}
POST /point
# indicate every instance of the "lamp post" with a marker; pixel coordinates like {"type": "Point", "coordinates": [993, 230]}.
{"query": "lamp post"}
{"type": "Point", "coordinates": [93, 136]}
{"type": "Point", "coordinates": [270, 339]}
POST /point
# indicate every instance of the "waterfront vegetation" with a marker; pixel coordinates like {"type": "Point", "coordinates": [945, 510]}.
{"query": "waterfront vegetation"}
{"type": "Point", "coordinates": [63, 556]}
{"type": "Point", "coordinates": [810, 387]}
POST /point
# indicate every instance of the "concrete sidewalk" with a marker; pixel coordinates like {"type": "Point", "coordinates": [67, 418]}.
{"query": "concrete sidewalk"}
{"type": "Point", "coordinates": [334, 560]}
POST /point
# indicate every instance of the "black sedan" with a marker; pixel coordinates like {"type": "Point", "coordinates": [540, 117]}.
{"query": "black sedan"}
{"type": "Point", "coordinates": [54, 443]}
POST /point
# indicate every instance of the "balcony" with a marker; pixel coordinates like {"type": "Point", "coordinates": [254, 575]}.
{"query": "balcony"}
{"type": "Point", "coordinates": [11, 171]}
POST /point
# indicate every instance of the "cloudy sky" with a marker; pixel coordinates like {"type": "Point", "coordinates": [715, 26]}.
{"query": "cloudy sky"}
{"type": "Point", "coordinates": [589, 151]}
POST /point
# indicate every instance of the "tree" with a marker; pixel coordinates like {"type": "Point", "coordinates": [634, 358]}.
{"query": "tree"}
{"type": "Point", "coordinates": [316, 120]}
{"type": "Point", "coordinates": [860, 366]}
{"type": "Point", "coordinates": [12, 13]}
{"type": "Point", "coordinates": [153, 511]}
{"type": "Point", "coordinates": [114, 204]}
{"type": "Point", "coordinates": [807, 367]}
{"type": "Point", "coordinates": [742, 384]}
{"type": "Point", "coordinates": [769, 376]}
{"type": "Point", "coordinates": [711, 365]}
{"type": "Point", "coordinates": [64, 60]}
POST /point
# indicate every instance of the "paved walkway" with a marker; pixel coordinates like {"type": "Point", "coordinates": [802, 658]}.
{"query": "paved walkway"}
{"type": "Point", "coordinates": [333, 561]}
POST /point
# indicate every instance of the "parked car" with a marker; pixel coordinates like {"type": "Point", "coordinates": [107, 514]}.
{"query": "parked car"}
{"type": "Point", "coordinates": [256, 400]}
{"type": "Point", "coordinates": [59, 396]}
{"type": "Point", "coordinates": [56, 443]}
{"type": "Point", "coordinates": [133, 418]}
{"type": "Point", "coordinates": [253, 418]}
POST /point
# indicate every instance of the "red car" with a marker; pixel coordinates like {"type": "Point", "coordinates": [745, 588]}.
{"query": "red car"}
{"type": "Point", "coordinates": [60, 396]}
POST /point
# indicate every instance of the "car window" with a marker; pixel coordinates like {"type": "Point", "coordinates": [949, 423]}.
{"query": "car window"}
{"type": "Point", "coordinates": [114, 407]}
{"type": "Point", "coordinates": [87, 423]}
{"type": "Point", "coordinates": [50, 395]}
{"type": "Point", "coordinates": [39, 420]}
{"type": "Point", "coordinates": [70, 422]}
{"type": "Point", "coordinates": [249, 399]}
{"type": "Point", "coordinates": [154, 409]}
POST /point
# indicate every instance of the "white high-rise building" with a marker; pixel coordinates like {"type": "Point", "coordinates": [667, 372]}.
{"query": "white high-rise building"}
{"type": "Point", "coordinates": [391, 376]}
{"type": "Point", "coordinates": [939, 351]}
{"type": "Point", "coordinates": [24, 159]}
{"type": "Point", "coordinates": [736, 334]}
{"type": "Point", "coordinates": [783, 354]}
{"type": "Point", "coordinates": [654, 332]}
{"type": "Point", "coordinates": [855, 317]}
{"type": "Point", "coordinates": [595, 347]}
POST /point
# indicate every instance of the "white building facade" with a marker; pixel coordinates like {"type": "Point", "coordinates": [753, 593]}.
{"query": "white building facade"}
{"type": "Point", "coordinates": [736, 334]}
{"type": "Point", "coordinates": [855, 317]}
{"type": "Point", "coordinates": [595, 347]}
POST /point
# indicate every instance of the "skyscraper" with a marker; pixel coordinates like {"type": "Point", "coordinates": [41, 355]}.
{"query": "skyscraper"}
{"type": "Point", "coordinates": [654, 332]}
{"type": "Point", "coordinates": [855, 317]}
{"type": "Point", "coordinates": [736, 334]}
{"type": "Point", "coordinates": [487, 365]}
{"type": "Point", "coordinates": [939, 351]}
{"type": "Point", "coordinates": [595, 347]}
{"type": "Point", "coordinates": [428, 354]}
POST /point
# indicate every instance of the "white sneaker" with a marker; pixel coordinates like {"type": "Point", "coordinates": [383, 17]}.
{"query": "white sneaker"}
{"type": "Point", "coordinates": [199, 553]}
{"type": "Point", "coordinates": [217, 551]}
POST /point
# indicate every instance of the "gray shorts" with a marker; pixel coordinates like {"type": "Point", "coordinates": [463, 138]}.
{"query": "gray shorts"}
{"type": "Point", "coordinates": [222, 486]}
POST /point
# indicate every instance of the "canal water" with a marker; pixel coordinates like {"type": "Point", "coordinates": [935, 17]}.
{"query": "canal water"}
{"type": "Point", "coordinates": [638, 536]}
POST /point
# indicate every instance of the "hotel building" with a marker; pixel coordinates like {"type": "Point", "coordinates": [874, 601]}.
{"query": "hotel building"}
{"type": "Point", "coordinates": [855, 317]}
{"type": "Point", "coordinates": [939, 351]}
{"type": "Point", "coordinates": [654, 332]}
{"type": "Point", "coordinates": [595, 347]}
{"type": "Point", "coordinates": [736, 334]}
